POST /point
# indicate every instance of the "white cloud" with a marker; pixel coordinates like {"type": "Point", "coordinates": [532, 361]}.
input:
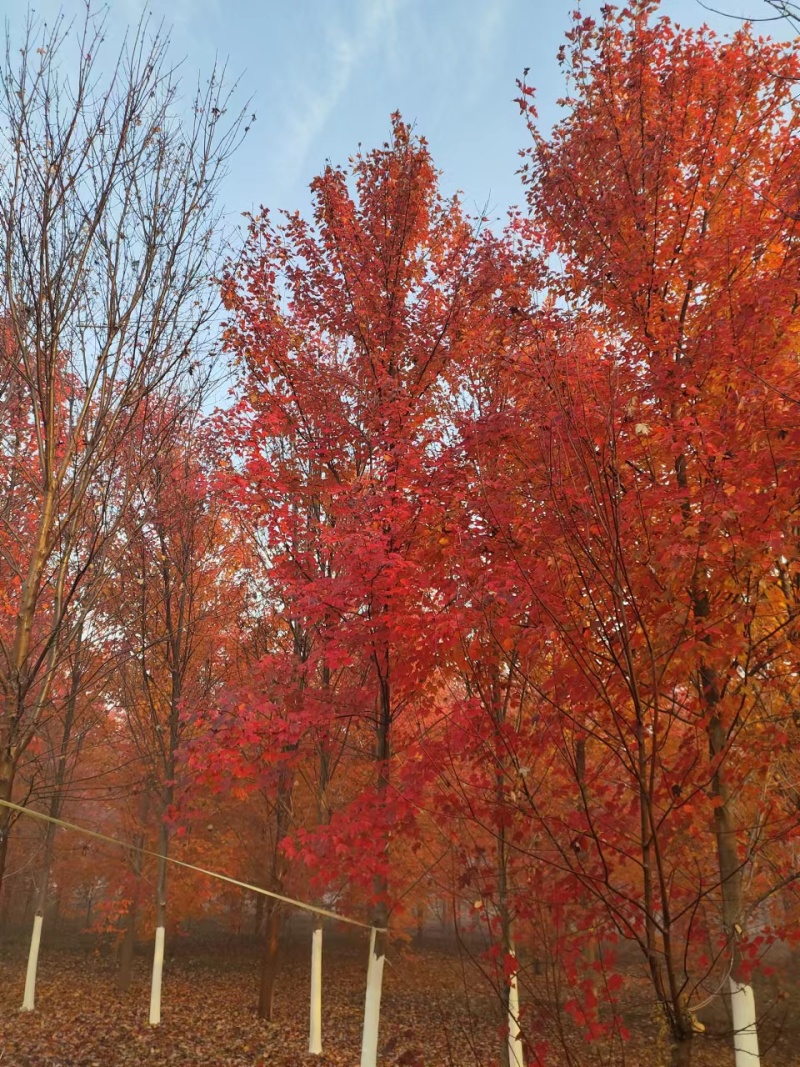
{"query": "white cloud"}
{"type": "Point", "coordinates": [486, 40]}
{"type": "Point", "coordinates": [344, 48]}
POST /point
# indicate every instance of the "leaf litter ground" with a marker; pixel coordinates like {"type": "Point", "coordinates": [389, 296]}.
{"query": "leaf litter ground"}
{"type": "Point", "coordinates": [436, 1013]}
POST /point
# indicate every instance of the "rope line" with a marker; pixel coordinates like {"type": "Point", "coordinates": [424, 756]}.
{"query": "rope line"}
{"type": "Point", "coordinates": [717, 991]}
{"type": "Point", "coordinates": [325, 912]}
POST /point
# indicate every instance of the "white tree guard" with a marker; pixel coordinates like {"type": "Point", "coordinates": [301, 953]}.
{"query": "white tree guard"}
{"type": "Point", "coordinates": [315, 1022]}
{"type": "Point", "coordinates": [515, 1056]}
{"type": "Point", "coordinates": [745, 1025]}
{"type": "Point", "coordinates": [29, 999]}
{"type": "Point", "coordinates": [158, 971]}
{"type": "Point", "coordinates": [372, 1006]}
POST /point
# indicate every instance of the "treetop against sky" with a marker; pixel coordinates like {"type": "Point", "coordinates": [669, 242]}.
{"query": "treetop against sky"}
{"type": "Point", "coordinates": [324, 76]}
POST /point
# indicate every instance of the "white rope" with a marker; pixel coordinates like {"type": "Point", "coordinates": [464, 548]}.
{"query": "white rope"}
{"type": "Point", "coordinates": [190, 867]}
{"type": "Point", "coordinates": [707, 1001]}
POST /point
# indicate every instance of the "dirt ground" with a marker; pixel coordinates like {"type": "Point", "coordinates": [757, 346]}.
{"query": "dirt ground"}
{"type": "Point", "coordinates": [437, 1012]}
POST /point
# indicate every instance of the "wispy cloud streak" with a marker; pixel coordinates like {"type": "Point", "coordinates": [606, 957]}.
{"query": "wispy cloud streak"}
{"type": "Point", "coordinates": [345, 48]}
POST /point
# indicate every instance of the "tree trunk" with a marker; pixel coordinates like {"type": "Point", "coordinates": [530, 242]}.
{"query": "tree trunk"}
{"type": "Point", "coordinates": [315, 1013]}
{"type": "Point", "coordinates": [128, 947]}
{"type": "Point", "coordinates": [745, 1024]}
{"type": "Point", "coordinates": [323, 819]}
{"type": "Point", "coordinates": [5, 911]}
{"type": "Point", "coordinates": [514, 1051]}
{"type": "Point", "coordinates": [372, 1001]}
{"type": "Point", "coordinates": [161, 917]}
{"type": "Point", "coordinates": [269, 962]}
{"type": "Point", "coordinates": [29, 998]}
{"type": "Point", "coordinates": [511, 1049]}
{"type": "Point", "coordinates": [57, 905]}
{"type": "Point", "coordinates": [379, 935]}
{"type": "Point", "coordinates": [126, 951]}
{"type": "Point", "coordinates": [258, 921]}
{"type": "Point", "coordinates": [89, 901]}
{"type": "Point", "coordinates": [6, 789]}
{"type": "Point", "coordinates": [681, 1051]}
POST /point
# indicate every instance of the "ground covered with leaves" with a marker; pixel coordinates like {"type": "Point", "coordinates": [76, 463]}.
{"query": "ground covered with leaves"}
{"type": "Point", "coordinates": [438, 1011]}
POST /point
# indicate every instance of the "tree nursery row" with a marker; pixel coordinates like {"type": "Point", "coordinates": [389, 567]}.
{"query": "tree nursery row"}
{"type": "Point", "coordinates": [451, 571]}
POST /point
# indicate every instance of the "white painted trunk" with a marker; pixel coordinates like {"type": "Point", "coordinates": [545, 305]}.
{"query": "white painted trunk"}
{"type": "Point", "coordinates": [315, 1025]}
{"type": "Point", "coordinates": [158, 971]}
{"type": "Point", "coordinates": [745, 1028]}
{"type": "Point", "coordinates": [515, 1058]}
{"type": "Point", "coordinates": [372, 1007]}
{"type": "Point", "coordinates": [29, 999]}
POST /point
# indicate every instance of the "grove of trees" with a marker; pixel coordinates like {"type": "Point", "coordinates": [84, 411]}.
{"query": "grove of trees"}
{"type": "Point", "coordinates": [481, 592]}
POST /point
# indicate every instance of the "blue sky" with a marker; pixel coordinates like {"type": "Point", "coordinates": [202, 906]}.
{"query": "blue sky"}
{"type": "Point", "coordinates": [324, 76]}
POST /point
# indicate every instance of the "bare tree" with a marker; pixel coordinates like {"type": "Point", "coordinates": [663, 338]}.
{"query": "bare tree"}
{"type": "Point", "coordinates": [108, 224]}
{"type": "Point", "coordinates": [786, 10]}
